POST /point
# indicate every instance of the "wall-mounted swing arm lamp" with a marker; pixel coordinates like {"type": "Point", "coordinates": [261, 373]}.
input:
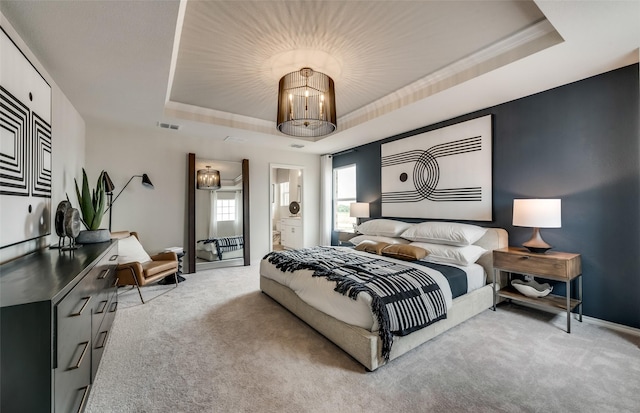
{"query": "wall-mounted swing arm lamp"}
{"type": "Point", "coordinates": [109, 188]}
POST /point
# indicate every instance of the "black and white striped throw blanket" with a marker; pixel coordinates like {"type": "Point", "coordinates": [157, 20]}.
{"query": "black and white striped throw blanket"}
{"type": "Point", "coordinates": [225, 244]}
{"type": "Point", "coordinates": [404, 299]}
{"type": "Point", "coordinates": [228, 244]}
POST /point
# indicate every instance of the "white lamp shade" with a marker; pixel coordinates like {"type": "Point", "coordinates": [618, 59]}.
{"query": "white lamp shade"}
{"type": "Point", "coordinates": [359, 210]}
{"type": "Point", "coordinates": [537, 213]}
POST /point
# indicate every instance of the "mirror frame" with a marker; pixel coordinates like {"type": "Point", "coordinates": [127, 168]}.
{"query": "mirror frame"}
{"type": "Point", "coordinates": [191, 213]}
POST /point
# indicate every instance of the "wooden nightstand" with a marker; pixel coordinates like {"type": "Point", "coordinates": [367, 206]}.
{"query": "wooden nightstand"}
{"type": "Point", "coordinates": [344, 238]}
{"type": "Point", "coordinates": [553, 265]}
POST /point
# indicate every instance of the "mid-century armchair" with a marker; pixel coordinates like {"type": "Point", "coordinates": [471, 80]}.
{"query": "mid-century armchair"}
{"type": "Point", "coordinates": [137, 268]}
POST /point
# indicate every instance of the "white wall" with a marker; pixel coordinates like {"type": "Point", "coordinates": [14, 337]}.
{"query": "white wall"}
{"type": "Point", "coordinates": [160, 215]}
{"type": "Point", "coordinates": [68, 147]}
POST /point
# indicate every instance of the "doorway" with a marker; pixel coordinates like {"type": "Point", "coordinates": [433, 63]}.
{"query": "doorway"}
{"type": "Point", "coordinates": [286, 208]}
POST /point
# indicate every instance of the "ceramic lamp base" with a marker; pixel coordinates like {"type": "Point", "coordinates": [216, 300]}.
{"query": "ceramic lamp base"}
{"type": "Point", "coordinates": [536, 243]}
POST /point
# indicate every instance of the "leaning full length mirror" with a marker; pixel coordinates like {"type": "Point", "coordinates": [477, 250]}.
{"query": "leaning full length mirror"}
{"type": "Point", "coordinates": [218, 214]}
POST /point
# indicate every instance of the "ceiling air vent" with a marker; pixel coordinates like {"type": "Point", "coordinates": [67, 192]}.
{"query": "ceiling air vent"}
{"type": "Point", "coordinates": [165, 125]}
{"type": "Point", "coordinates": [234, 139]}
{"type": "Point", "coordinates": [297, 145]}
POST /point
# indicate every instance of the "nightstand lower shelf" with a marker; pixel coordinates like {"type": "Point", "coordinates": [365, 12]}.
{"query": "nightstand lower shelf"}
{"type": "Point", "coordinates": [557, 266]}
{"type": "Point", "coordinates": [551, 300]}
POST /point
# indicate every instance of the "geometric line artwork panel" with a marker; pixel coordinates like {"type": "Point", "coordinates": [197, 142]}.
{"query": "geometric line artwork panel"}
{"type": "Point", "coordinates": [14, 145]}
{"type": "Point", "coordinates": [25, 151]}
{"type": "Point", "coordinates": [441, 174]}
{"type": "Point", "coordinates": [41, 157]}
{"type": "Point", "coordinates": [10, 148]}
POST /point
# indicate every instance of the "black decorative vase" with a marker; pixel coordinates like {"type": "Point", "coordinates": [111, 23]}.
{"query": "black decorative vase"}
{"type": "Point", "coordinates": [93, 237]}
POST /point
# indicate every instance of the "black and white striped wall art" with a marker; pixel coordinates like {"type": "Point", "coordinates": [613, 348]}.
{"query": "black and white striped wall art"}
{"type": "Point", "coordinates": [441, 174]}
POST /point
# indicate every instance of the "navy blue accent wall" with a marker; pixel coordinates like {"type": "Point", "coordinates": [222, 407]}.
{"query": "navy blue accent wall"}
{"type": "Point", "coordinates": [579, 142]}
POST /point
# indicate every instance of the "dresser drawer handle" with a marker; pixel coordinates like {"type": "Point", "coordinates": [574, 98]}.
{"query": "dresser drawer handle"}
{"type": "Point", "coordinates": [114, 307]}
{"type": "Point", "coordinates": [103, 335]}
{"type": "Point", "coordinates": [103, 274]}
{"type": "Point", "coordinates": [113, 257]}
{"type": "Point", "coordinates": [84, 397]}
{"type": "Point", "coordinates": [84, 351]}
{"type": "Point", "coordinates": [526, 257]}
{"type": "Point", "coordinates": [103, 305]}
{"type": "Point", "coordinates": [86, 301]}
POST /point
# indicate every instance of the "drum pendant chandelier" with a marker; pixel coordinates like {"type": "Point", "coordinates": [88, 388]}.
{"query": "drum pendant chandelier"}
{"type": "Point", "coordinates": [208, 179]}
{"type": "Point", "coordinates": [306, 104]}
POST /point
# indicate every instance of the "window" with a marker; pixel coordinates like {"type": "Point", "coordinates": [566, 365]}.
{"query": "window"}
{"type": "Point", "coordinates": [226, 210]}
{"type": "Point", "coordinates": [344, 193]}
{"type": "Point", "coordinates": [284, 193]}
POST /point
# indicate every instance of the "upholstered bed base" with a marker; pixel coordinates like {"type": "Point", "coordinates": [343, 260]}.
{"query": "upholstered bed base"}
{"type": "Point", "coordinates": [365, 346]}
{"type": "Point", "coordinates": [210, 256]}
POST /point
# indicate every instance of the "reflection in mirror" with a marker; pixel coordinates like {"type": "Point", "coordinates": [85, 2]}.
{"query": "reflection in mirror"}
{"type": "Point", "coordinates": [219, 214]}
{"type": "Point", "coordinates": [286, 207]}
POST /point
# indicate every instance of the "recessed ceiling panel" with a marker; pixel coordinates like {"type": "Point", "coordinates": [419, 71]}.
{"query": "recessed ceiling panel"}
{"type": "Point", "coordinates": [230, 52]}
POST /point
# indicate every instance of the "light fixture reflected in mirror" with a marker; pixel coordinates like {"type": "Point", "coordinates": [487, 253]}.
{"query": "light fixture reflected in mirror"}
{"type": "Point", "coordinates": [208, 179]}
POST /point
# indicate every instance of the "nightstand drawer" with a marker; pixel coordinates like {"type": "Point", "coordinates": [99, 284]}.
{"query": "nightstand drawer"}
{"type": "Point", "coordinates": [555, 265]}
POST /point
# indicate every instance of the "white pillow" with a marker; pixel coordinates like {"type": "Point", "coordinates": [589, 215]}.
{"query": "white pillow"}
{"type": "Point", "coordinates": [449, 233]}
{"type": "Point", "coordinates": [391, 240]}
{"type": "Point", "coordinates": [130, 250]}
{"type": "Point", "coordinates": [449, 254]}
{"type": "Point", "coordinates": [383, 227]}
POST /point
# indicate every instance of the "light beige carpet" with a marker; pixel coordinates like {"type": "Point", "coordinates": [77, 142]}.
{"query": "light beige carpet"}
{"type": "Point", "coordinates": [217, 344]}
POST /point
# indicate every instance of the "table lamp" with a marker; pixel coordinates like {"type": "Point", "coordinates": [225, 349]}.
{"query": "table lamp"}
{"type": "Point", "coordinates": [358, 210]}
{"type": "Point", "coordinates": [536, 213]}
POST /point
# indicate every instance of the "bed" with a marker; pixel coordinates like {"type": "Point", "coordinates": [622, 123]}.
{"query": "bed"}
{"type": "Point", "coordinates": [216, 249]}
{"type": "Point", "coordinates": [362, 339]}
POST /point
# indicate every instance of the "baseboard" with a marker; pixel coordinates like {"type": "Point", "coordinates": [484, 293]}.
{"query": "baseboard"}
{"type": "Point", "coordinates": [591, 320]}
{"type": "Point", "coordinates": [612, 326]}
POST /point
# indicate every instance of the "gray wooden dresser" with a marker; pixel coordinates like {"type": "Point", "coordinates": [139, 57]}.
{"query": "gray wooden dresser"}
{"type": "Point", "coordinates": [56, 309]}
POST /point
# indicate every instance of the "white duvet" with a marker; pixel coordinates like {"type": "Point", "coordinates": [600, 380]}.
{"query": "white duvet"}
{"type": "Point", "coordinates": [318, 291]}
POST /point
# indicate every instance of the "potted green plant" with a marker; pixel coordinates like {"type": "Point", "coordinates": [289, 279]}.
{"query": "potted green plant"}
{"type": "Point", "coordinates": [92, 208]}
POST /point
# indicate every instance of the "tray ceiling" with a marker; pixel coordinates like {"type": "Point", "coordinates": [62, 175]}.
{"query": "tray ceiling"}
{"type": "Point", "coordinates": [211, 67]}
{"type": "Point", "coordinates": [231, 54]}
